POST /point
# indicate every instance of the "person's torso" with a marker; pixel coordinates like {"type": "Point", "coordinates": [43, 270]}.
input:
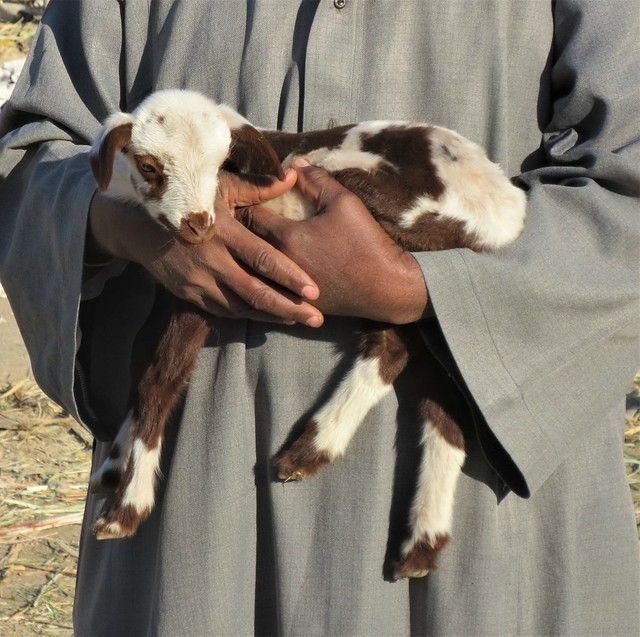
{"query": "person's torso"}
{"type": "Point", "coordinates": [481, 68]}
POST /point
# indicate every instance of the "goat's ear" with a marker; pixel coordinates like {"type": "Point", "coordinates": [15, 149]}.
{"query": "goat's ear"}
{"type": "Point", "coordinates": [252, 156]}
{"type": "Point", "coordinates": [116, 134]}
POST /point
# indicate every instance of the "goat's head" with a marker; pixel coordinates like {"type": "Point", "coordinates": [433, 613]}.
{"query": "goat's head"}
{"type": "Point", "coordinates": [169, 150]}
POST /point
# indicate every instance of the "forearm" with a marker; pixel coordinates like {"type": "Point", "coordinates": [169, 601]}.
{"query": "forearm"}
{"type": "Point", "coordinates": [112, 226]}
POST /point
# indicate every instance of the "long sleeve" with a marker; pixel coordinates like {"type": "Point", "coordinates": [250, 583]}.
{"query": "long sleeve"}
{"type": "Point", "coordinates": [544, 333]}
{"type": "Point", "coordinates": [70, 83]}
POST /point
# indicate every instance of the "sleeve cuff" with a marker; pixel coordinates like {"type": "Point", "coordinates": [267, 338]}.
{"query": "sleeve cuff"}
{"type": "Point", "coordinates": [517, 447]}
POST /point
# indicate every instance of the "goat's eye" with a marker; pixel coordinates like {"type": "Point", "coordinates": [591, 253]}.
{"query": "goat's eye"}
{"type": "Point", "coordinates": [147, 168]}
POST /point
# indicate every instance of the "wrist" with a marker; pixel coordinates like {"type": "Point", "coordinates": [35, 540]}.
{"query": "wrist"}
{"type": "Point", "coordinates": [411, 298]}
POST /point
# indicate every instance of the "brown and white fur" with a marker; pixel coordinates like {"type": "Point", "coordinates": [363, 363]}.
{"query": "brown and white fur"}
{"type": "Point", "coordinates": [427, 186]}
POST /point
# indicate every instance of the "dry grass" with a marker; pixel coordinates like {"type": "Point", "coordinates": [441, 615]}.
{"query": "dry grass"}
{"type": "Point", "coordinates": [632, 444]}
{"type": "Point", "coordinates": [43, 476]}
{"type": "Point", "coordinates": [15, 39]}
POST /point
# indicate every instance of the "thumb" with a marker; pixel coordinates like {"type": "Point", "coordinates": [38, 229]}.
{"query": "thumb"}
{"type": "Point", "coordinates": [242, 192]}
{"type": "Point", "coordinates": [315, 183]}
{"type": "Point", "coordinates": [264, 223]}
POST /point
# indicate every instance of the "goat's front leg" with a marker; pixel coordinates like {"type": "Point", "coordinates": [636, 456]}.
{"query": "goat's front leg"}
{"type": "Point", "coordinates": [431, 513]}
{"type": "Point", "coordinates": [159, 390]}
{"type": "Point", "coordinates": [109, 475]}
{"type": "Point", "coordinates": [382, 357]}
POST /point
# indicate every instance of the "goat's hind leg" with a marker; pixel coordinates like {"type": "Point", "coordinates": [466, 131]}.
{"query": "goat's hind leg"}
{"type": "Point", "coordinates": [159, 390]}
{"type": "Point", "coordinates": [431, 513]}
{"type": "Point", "coordinates": [383, 354]}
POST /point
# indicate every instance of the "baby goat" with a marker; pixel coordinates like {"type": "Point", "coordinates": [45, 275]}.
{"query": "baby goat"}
{"type": "Point", "coordinates": [428, 187]}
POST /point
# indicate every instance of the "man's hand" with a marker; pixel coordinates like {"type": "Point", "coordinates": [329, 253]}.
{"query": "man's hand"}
{"type": "Point", "coordinates": [359, 269]}
{"type": "Point", "coordinates": [235, 274]}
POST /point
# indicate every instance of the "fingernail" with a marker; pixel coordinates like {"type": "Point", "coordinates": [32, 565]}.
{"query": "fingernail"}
{"type": "Point", "coordinates": [314, 321]}
{"type": "Point", "coordinates": [310, 292]}
{"type": "Point", "coordinates": [300, 162]}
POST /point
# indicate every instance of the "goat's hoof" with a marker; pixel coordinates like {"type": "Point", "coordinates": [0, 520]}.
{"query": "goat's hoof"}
{"type": "Point", "coordinates": [117, 523]}
{"type": "Point", "coordinates": [296, 463]}
{"type": "Point", "coordinates": [302, 458]}
{"type": "Point", "coordinates": [420, 557]}
{"type": "Point", "coordinates": [401, 570]}
{"type": "Point", "coordinates": [287, 470]}
{"type": "Point", "coordinates": [104, 530]}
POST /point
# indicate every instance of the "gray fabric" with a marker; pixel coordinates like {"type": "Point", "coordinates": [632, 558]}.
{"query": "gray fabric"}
{"type": "Point", "coordinates": [543, 334]}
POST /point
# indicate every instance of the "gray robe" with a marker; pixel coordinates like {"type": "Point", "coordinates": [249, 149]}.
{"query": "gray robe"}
{"type": "Point", "coordinates": [542, 336]}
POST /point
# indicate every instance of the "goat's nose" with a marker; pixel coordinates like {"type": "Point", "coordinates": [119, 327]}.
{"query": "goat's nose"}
{"type": "Point", "coordinates": [196, 226]}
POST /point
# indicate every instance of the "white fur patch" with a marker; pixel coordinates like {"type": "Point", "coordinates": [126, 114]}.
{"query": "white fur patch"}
{"type": "Point", "coordinates": [123, 440]}
{"type": "Point", "coordinates": [339, 419]}
{"type": "Point", "coordinates": [424, 205]}
{"type": "Point", "coordinates": [341, 158]}
{"type": "Point", "coordinates": [432, 509]}
{"type": "Point", "coordinates": [477, 192]}
{"type": "Point", "coordinates": [140, 491]}
{"type": "Point", "coordinates": [291, 205]}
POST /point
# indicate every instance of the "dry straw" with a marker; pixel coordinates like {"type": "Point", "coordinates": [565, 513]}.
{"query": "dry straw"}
{"type": "Point", "coordinates": [44, 466]}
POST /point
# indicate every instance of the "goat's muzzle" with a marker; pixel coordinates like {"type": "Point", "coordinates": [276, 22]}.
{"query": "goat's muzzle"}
{"type": "Point", "coordinates": [197, 227]}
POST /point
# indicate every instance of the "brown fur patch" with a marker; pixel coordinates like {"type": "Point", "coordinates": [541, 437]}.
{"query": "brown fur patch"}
{"type": "Point", "coordinates": [127, 519]}
{"type": "Point", "coordinates": [388, 199]}
{"type": "Point", "coordinates": [408, 148]}
{"type": "Point", "coordinates": [386, 344]}
{"type": "Point", "coordinates": [301, 143]}
{"type": "Point", "coordinates": [114, 452]}
{"type": "Point", "coordinates": [421, 559]}
{"type": "Point", "coordinates": [444, 408]}
{"type": "Point", "coordinates": [445, 423]}
{"type": "Point", "coordinates": [301, 459]}
{"type": "Point", "coordinates": [157, 180]}
{"type": "Point", "coordinates": [167, 376]}
{"type": "Point", "coordinates": [252, 154]}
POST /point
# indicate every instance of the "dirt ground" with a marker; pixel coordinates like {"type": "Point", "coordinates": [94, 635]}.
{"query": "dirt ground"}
{"type": "Point", "coordinates": [43, 477]}
{"type": "Point", "coordinates": [44, 469]}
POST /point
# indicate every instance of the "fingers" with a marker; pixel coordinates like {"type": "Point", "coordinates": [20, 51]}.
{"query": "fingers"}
{"type": "Point", "coordinates": [240, 192]}
{"type": "Point", "coordinates": [230, 305]}
{"type": "Point", "coordinates": [268, 262]}
{"type": "Point", "coordinates": [259, 299]}
{"type": "Point", "coordinates": [227, 288]}
{"type": "Point", "coordinates": [273, 190]}
{"type": "Point", "coordinates": [316, 184]}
